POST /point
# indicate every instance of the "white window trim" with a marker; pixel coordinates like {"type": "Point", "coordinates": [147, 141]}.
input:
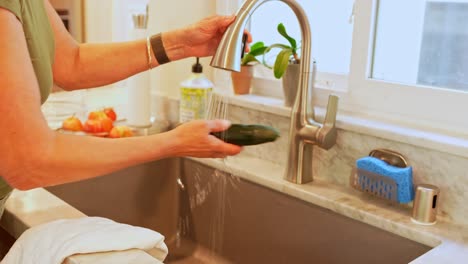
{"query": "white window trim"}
{"type": "Point", "coordinates": [365, 125]}
{"type": "Point", "coordinates": [428, 108]}
{"type": "Point", "coordinates": [323, 81]}
{"type": "Point", "coordinates": [434, 112]}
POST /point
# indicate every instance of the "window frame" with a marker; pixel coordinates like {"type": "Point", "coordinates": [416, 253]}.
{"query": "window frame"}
{"type": "Point", "coordinates": [414, 107]}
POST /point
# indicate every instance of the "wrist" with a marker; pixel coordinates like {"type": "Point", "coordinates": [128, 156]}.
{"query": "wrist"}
{"type": "Point", "coordinates": [170, 143]}
{"type": "Point", "coordinates": [173, 44]}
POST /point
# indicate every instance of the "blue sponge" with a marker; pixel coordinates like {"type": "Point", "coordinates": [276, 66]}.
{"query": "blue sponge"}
{"type": "Point", "coordinates": [403, 177]}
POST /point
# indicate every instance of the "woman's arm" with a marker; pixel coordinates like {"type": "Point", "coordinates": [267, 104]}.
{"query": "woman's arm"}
{"type": "Point", "coordinates": [79, 66]}
{"type": "Point", "coordinates": [68, 158]}
{"type": "Point", "coordinates": [32, 155]}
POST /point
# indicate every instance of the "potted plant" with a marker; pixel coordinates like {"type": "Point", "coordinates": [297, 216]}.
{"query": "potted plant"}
{"type": "Point", "coordinates": [242, 80]}
{"type": "Point", "coordinates": [286, 65]}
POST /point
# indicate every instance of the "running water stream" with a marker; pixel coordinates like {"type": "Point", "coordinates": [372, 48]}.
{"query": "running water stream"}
{"type": "Point", "coordinates": [213, 190]}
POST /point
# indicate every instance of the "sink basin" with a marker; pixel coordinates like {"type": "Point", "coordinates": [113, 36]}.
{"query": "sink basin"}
{"type": "Point", "coordinates": [209, 216]}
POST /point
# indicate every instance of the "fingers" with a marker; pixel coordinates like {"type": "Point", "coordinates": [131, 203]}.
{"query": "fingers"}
{"type": "Point", "coordinates": [233, 150]}
{"type": "Point", "coordinates": [218, 125]}
{"type": "Point", "coordinates": [196, 140]}
{"type": "Point", "coordinates": [221, 155]}
{"type": "Point", "coordinates": [227, 20]}
{"type": "Point", "coordinates": [224, 22]}
{"type": "Point", "coordinates": [224, 148]}
{"type": "Point", "coordinates": [249, 38]}
{"type": "Point", "coordinates": [227, 149]}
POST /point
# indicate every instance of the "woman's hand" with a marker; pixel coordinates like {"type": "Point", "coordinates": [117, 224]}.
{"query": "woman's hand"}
{"type": "Point", "coordinates": [200, 39]}
{"type": "Point", "coordinates": [193, 139]}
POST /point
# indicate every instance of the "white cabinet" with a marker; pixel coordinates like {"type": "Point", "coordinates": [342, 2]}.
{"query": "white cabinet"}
{"type": "Point", "coordinates": [98, 20]}
{"type": "Point", "coordinates": [71, 13]}
{"type": "Point", "coordinates": [110, 20]}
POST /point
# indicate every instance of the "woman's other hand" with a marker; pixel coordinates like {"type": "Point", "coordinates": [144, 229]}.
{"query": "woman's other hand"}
{"type": "Point", "coordinates": [194, 139]}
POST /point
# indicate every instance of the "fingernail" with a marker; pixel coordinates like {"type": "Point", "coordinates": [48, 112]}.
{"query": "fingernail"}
{"type": "Point", "coordinates": [226, 123]}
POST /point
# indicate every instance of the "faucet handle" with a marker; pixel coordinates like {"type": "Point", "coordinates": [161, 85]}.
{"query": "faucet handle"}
{"type": "Point", "coordinates": [327, 133]}
{"type": "Point", "coordinates": [332, 110]}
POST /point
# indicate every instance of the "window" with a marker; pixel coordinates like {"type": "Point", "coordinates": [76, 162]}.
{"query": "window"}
{"type": "Point", "coordinates": [330, 24]}
{"type": "Point", "coordinates": [331, 36]}
{"type": "Point", "coordinates": [426, 45]}
{"type": "Point", "coordinates": [405, 56]}
{"type": "Point", "coordinates": [402, 62]}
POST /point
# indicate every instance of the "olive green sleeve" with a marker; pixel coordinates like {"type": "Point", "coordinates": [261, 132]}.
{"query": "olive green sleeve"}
{"type": "Point", "coordinates": [5, 189]}
{"type": "Point", "coordinates": [13, 6]}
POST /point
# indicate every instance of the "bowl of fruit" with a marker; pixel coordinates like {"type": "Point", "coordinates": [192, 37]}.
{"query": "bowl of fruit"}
{"type": "Point", "coordinates": [99, 123]}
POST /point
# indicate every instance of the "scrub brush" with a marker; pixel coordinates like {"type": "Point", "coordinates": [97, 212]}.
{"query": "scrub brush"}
{"type": "Point", "coordinates": [381, 176]}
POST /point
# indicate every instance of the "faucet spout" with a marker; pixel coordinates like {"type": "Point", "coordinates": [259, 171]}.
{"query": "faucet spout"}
{"type": "Point", "coordinates": [304, 130]}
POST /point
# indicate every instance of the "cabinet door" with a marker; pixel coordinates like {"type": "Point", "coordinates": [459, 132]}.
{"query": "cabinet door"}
{"type": "Point", "coordinates": [98, 20]}
{"type": "Point", "coordinates": [71, 13]}
{"type": "Point", "coordinates": [110, 20]}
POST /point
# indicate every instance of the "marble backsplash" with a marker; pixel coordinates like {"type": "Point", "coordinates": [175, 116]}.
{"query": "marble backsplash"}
{"type": "Point", "coordinates": [448, 172]}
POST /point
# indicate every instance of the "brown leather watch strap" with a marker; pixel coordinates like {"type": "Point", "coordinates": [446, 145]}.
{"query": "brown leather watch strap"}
{"type": "Point", "coordinates": [158, 49]}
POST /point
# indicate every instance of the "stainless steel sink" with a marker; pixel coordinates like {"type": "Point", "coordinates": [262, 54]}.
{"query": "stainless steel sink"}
{"type": "Point", "coordinates": [211, 217]}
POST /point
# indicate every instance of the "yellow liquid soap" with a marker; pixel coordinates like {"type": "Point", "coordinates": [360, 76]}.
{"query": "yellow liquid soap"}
{"type": "Point", "coordinates": [195, 94]}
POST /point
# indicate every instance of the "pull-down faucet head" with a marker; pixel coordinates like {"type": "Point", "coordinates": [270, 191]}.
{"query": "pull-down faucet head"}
{"type": "Point", "coordinates": [228, 54]}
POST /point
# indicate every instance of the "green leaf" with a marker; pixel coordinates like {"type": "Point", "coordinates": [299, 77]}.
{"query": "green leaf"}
{"type": "Point", "coordinates": [248, 58]}
{"type": "Point", "coordinates": [258, 51]}
{"type": "Point", "coordinates": [281, 63]}
{"type": "Point", "coordinates": [255, 50]}
{"type": "Point", "coordinates": [257, 45]}
{"type": "Point", "coordinates": [282, 31]}
{"type": "Point", "coordinates": [279, 46]}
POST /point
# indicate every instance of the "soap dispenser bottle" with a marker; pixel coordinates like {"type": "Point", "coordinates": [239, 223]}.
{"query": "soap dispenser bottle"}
{"type": "Point", "coordinates": [195, 93]}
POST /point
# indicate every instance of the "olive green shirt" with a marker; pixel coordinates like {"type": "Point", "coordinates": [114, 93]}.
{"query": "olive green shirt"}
{"type": "Point", "coordinates": [41, 45]}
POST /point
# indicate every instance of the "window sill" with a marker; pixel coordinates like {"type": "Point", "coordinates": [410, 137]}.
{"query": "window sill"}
{"type": "Point", "coordinates": [261, 103]}
{"type": "Point", "coordinates": [363, 125]}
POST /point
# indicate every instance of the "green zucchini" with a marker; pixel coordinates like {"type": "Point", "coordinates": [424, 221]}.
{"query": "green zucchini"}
{"type": "Point", "coordinates": [246, 135]}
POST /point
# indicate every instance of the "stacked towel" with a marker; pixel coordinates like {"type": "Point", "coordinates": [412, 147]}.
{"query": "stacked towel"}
{"type": "Point", "coordinates": [53, 242]}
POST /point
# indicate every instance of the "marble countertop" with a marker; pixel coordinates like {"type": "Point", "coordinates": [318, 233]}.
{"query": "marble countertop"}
{"type": "Point", "coordinates": [449, 242]}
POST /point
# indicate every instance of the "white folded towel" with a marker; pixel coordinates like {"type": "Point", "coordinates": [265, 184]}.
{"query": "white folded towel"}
{"type": "Point", "coordinates": [53, 242]}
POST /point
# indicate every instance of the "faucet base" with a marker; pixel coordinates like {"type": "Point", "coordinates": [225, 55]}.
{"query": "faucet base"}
{"type": "Point", "coordinates": [299, 170]}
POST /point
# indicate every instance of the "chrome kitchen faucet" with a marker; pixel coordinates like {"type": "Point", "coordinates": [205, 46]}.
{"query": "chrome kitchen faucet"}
{"type": "Point", "coordinates": [304, 131]}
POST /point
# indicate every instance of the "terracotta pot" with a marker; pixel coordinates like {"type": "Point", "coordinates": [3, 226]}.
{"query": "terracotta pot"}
{"type": "Point", "coordinates": [290, 84]}
{"type": "Point", "coordinates": [241, 81]}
